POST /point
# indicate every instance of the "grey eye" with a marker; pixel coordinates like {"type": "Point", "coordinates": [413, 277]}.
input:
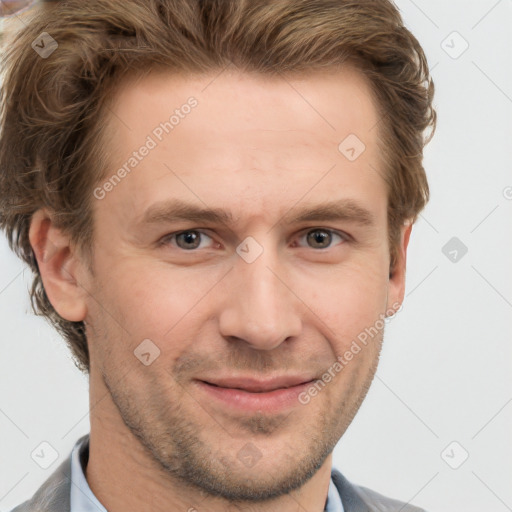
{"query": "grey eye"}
{"type": "Point", "coordinates": [188, 239]}
{"type": "Point", "coordinates": [319, 239]}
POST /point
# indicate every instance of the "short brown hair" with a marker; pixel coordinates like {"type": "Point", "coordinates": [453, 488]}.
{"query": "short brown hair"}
{"type": "Point", "coordinates": [51, 150]}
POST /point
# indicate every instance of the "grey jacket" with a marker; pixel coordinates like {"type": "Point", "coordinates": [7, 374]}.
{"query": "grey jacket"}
{"type": "Point", "coordinates": [54, 495]}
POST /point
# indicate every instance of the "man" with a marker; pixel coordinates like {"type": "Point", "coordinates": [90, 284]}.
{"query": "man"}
{"type": "Point", "coordinates": [216, 199]}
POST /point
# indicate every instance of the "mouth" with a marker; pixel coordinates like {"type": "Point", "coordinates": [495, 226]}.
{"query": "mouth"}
{"type": "Point", "coordinates": [252, 395]}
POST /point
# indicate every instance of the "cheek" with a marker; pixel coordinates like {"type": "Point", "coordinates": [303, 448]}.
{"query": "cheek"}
{"type": "Point", "coordinates": [153, 300]}
{"type": "Point", "coordinates": [349, 304]}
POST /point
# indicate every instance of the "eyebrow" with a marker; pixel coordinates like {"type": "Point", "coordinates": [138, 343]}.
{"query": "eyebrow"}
{"type": "Point", "coordinates": [173, 210]}
{"type": "Point", "coordinates": [341, 210]}
{"type": "Point", "coordinates": [177, 209]}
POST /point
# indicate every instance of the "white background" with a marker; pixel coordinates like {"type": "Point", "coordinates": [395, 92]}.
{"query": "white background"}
{"type": "Point", "coordinates": [446, 367]}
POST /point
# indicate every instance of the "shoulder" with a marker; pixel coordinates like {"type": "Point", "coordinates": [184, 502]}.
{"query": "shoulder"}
{"type": "Point", "coordinates": [357, 498]}
{"type": "Point", "coordinates": [54, 494]}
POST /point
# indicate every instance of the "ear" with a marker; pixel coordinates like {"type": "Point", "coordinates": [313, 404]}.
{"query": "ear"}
{"type": "Point", "coordinates": [59, 267]}
{"type": "Point", "coordinates": [396, 289]}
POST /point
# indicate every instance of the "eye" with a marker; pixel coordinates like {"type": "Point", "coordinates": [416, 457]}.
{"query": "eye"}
{"type": "Point", "coordinates": [187, 240]}
{"type": "Point", "coordinates": [192, 239]}
{"type": "Point", "coordinates": [320, 238]}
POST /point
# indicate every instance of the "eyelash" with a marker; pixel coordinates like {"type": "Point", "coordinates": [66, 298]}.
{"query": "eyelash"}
{"type": "Point", "coordinates": [172, 236]}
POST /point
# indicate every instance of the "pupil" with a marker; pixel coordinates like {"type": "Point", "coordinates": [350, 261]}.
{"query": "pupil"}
{"type": "Point", "coordinates": [319, 237]}
{"type": "Point", "coordinates": [190, 238]}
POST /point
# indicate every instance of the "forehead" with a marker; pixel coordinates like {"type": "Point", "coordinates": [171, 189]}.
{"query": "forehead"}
{"type": "Point", "coordinates": [328, 102]}
{"type": "Point", "coordinates": [239, 137]}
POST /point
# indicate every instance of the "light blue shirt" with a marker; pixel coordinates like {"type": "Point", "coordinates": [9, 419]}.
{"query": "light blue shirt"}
{"type": "Point", "coordinates": [83, 499]}
{"type": "Point", "coordinates": [334, 503]}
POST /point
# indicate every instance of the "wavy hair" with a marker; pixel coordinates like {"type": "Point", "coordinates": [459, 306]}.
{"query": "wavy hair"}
{"type": "Point", "coordinates": [52, 109]}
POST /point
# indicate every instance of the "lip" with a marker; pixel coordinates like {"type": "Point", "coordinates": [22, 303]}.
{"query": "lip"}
{"type": "Point", "coordinates": [258, 385]}
{"type": "Point", "coordinates": [252, 395]}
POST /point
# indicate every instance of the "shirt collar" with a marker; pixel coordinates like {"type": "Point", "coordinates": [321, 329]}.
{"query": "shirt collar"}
{"type": "Point", "coordinates": [82, 498]}
{"type": "Point", "coordinates": [334, 503]}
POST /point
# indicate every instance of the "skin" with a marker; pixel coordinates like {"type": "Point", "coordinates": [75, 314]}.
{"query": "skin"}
{"type": "Point", "coordinates": [262, 150]}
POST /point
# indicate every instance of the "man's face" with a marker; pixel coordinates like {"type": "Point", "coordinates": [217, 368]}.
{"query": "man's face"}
{"type": "Point", "coordinates": [271, 296]}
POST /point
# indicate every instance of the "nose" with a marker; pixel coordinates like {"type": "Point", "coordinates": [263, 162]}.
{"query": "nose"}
{"type": "Point", "coordinates": [259, 308]}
